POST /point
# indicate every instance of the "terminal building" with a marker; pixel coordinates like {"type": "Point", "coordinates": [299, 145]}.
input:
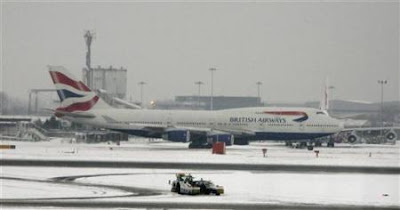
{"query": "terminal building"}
{"type": "Point", "coordinates": [203, 102]}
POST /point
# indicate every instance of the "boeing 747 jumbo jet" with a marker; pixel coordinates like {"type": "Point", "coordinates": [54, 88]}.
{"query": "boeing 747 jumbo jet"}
{"type": "Point", "coordinates": [239, 126]}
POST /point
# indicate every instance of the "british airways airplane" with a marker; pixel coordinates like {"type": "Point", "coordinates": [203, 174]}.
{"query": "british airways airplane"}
{"type": "Point", "coordinates": [239, 126]}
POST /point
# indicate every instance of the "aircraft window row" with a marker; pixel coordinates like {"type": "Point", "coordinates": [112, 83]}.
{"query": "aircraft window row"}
{"type": "Point", "coordinates": [285, 125]}
{"type": "Point", "coordinates": [238, 124]}
{"type": "Point", "coordinates": [191, 123]}
{"type": "Point", "coordinates": [234, 124]}
{"type": "Point", "coordinates": [224, 124]}
{"type": "Point", "coordinates": [321, 125]}
{"type": "Point", "coordinates": [146, 122]}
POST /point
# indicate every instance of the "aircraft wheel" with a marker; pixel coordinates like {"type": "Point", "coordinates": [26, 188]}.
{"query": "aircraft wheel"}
{"type": "Point", "coordinates": [303, 144]}
{"type": "Point", "coordinates": [331, 144]}
{"type": "Point", "coordinates": [310, 147]}
{"type": "Point", "coordinates": [352, 139]}
{"type": "Point", "coordinates": [390, 136]}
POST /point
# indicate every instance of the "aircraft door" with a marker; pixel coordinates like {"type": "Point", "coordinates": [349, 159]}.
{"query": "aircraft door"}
{"type": "Point", "coordinates": [211, 121]}
{"type": "Point", "coordinates": [301, 126]}
{"type": "Point", "coordinates": [169, 120]}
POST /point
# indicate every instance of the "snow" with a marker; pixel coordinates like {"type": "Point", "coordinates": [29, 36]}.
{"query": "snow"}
{"type": "Point", "coordinates": [279, 187]}
{"type": "Point", "coordinates": [355, 189]}
{"type": "Point", "coordinates": [160, 151]}
{"type": "Point", "coordinates": [12, 189]}
{"type": "Point", "coordinates": [240, 186]}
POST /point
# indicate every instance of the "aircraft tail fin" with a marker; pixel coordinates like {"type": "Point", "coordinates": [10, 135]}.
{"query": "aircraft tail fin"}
{"type": "Point", "coordinates": [74, 95]}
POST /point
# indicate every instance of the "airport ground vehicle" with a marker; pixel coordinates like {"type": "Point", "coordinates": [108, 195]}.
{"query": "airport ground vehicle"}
{"type": "Point", "coordinates": [185, 184]}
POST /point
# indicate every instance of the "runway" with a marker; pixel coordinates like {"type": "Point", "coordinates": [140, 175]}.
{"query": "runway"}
{"type": "Point", "coordinates": [203, 166]}
{"type": "Point", "coordinates": [175, 205]}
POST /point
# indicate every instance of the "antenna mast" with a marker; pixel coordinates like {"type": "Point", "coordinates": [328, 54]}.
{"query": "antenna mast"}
{"type": "Point", "coordinates": [88, 39]}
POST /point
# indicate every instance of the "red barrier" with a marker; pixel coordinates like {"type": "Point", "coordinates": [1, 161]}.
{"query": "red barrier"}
{"type": "Point", "coordinates": [219, 148]}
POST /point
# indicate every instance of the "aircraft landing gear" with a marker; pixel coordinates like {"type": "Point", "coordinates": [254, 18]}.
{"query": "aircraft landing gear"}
{"type": "Point", "coordinates": [300, 145]}
{"type": "Point", "coordinates": [199, 143]}
{"type": "Point", "coordinates": [318, 144]}
{"type": "Point", "coordinates": [303, 144]}
{"type": "Point", "coordinates": [330, 144]}
{"type": "Point", "coordinates": [289, 144]}
{"type": "Point", "coordinates": [241, 142]}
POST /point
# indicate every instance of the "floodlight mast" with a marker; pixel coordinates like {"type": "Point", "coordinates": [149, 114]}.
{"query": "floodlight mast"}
{"type": "Point", "coordinates": [212, 87]}
{"type": "Point", "coordinates": [88, 40]}
{"type": "Point", "coordinates": [199, 83]}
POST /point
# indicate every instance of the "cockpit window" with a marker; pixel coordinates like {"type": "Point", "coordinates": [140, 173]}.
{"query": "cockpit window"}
{"type": "Point", "coordinates": [321, 113]}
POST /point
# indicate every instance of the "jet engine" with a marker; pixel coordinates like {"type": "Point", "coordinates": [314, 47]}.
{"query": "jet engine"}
{"type": "Point", "coordinates": [241, 141]}
{"type": "Point", "coordinates": [352, 138]}
{"type": "Point", "coordinates": [227, 138]}
{"type": "Point", "coordinates": [177, 135]}
{"type": "Point", "coordinates": [391, 136]}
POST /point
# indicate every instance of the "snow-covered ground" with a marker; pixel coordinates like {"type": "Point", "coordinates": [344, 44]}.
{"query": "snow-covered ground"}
{"type": "Point", "coordinates": [160, 151]}
{"type": "Point", "coordinates": [240, 186]}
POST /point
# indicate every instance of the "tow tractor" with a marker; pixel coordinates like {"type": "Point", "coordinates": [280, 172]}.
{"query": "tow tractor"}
{"type": "Point", "coordinates": [185, 184]}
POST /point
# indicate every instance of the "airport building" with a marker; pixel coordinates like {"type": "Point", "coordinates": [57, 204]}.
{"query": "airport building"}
{"type": "Point", "coordinates": [112, 80]}
{"type": "Point", "coordinates": [219, 102]}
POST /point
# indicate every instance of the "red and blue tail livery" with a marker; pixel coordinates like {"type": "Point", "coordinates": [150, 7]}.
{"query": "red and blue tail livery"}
{"type": "Point", "coordinates": [59, 77]}
{"type": "Point", "coordinates": [74, 94]}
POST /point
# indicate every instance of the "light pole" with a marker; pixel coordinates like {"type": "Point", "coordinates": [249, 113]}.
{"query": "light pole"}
{"type": "Point", "coordinates": [141, 92]}
{"type": "Point", "coordinates": [382, 83]}
{"type": "Point", "coordinates": [329, 98]}
{"type": "Point", "coordinates": [212, 87]}
{"type": "Point", "coordinates": [199, 83]}
{"type": "Point", "coordinates": [258, 89]}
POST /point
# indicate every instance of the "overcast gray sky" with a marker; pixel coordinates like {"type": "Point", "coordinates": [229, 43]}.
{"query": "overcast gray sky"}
{"type": "Point", "coordinates": [290, 47]}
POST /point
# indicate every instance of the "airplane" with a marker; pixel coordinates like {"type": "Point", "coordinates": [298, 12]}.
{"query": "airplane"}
{"type": "Point", "coordinates": [358, 134]}
{"type": "Point", "coordinates": [199, 127]}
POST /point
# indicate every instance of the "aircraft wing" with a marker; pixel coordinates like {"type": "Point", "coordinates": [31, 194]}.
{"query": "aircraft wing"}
{"type": "Point", "coordinates": [72, 114]}
{"type": "Point", "coordinates": [370, 134]}
{"type": "Point", "coordinates": [161, 128]}
{"type": "Point", "coordinates": [235, 132]}
{"type": "Point", "coordinates": [238, 132]}
{"type": "Point", "coordinates": [370, 129]}
{"type": "Point", "coordinates": [197, 130]}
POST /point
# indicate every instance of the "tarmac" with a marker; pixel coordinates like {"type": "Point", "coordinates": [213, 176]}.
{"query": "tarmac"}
{"type": "Point", "coordinates": [204, 166]}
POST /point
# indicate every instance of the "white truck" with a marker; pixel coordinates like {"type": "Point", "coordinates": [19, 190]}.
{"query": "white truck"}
{"type": "Point", "coordinates": [185, 184]}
